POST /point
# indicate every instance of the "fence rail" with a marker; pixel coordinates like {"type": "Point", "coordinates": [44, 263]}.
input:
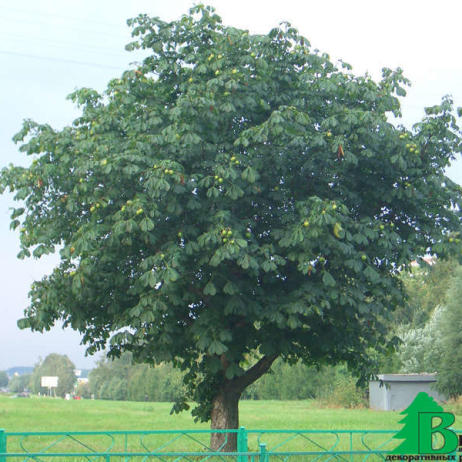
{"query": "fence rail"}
{"type": "Point", "coordinates": [194, 446]}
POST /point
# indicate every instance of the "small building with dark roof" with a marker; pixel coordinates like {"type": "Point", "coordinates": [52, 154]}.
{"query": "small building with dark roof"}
{"type": "Point", "coordinates": [395, 392]}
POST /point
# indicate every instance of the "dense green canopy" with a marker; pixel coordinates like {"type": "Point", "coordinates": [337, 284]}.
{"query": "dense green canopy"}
{"type": "Point", "coordinates": [233, 199]}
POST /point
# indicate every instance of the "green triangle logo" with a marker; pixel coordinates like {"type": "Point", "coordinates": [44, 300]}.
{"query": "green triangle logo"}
{"type": "Point", "coordinates": [410, 431]}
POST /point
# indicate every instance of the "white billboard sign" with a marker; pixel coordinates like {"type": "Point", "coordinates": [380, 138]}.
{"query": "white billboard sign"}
{"type": "Point", "coordinates": [49, 381]}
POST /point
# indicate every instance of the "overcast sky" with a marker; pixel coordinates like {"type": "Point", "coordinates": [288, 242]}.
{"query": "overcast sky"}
{"type": "Point", "coordinates": [48, 48]}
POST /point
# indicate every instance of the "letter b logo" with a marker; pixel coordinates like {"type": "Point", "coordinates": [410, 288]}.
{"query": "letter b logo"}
{"type": "Point", "coordinates": [432, 423]}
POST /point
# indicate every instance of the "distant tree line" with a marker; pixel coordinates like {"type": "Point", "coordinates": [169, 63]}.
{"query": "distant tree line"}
{"type": "Point", "coordinates": [19, 383]}
{"type": "Point", "coordinates": [120, 379]}
{"type": "Point", "coordinates": [3, 379]}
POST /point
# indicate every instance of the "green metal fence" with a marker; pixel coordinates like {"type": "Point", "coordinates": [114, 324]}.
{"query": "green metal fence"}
{"type": "Point", "coordinates": [193, 445]}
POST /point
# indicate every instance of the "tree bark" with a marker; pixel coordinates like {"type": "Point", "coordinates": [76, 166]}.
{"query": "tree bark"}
{"type": "Point", "coordinates": [225, 405]}
{"type": "Point", "coordinates": [225, 415]}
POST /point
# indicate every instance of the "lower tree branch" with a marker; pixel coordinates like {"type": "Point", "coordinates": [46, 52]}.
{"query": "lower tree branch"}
{"type": "Point", "coordinates": [239, 384]}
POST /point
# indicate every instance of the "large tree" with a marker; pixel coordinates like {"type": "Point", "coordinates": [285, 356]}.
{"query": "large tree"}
{"type": "Point", "coordinates": [54, 365]}
{"type": "Point", "coordinates": [426, 288]}
{"type": "Point", "coordinates": [234, 199]}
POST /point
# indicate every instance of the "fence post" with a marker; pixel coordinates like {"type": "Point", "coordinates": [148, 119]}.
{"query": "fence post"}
{"type": "Point", "coordinates": [351, 446]}
{"type": "Point", "coordinates": [242, 444]}
{"type": "Point", "coordinates": [2, 445]}
{"type": "Point", "coordinates": [263, 453]}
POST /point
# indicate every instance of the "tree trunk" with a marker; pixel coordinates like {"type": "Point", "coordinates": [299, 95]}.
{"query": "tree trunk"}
{"type": "Point", "coordinates": [225, 415]}
{"type": "Point", "coordinates": [225, 405]}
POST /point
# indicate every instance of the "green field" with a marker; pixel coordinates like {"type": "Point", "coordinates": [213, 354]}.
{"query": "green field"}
{"type": "Point", "coordinates": [48, 414]}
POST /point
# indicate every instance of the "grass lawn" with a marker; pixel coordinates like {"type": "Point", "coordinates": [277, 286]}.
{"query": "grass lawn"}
{"type": "Point", "coordinates": [47, 414]}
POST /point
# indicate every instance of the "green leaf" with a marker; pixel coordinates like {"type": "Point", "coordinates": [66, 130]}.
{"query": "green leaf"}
{"type": "Point", "coordinates": [172, 275]}
{"type": "Point", "coordinates": [244, 261]}
{"type": "Point", "coordinates": [217, 258]}
{"type": "Point", "coordinates": [230, 288]}
{"type": "Point", "coordinates": [203, 341]}
{"type": "Point", "coordinates": [371, 274]}
{"type": "Point", "coordinates": [217, 348]}
{"type": "Point", "coordinates": [17, 213]}
{"type": "Point", "coordinates": [130, 226]}
{"type": "Point", "coordinates": [213, 192]}
{"type": "Point", "coordinates": [210, 289]}
{"type": "Point", "coordinates": [149, 279]}
{"type": "Point", "coordinates": [146, 224]}
{"type": "Point", "coordinates": [249, 175]}
{"type": "Point", "coordinates": [327, 279]}
{"type": "Point", "coordinates": [233, 370]}
{"type": "Point", "coordinates": [14, 224]}
{"type": "Point", "coordinates": [268, 265]}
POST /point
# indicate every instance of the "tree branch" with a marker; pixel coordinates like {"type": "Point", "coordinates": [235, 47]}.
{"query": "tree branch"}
{"type": "Point", "coordinates": [252, 374]}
